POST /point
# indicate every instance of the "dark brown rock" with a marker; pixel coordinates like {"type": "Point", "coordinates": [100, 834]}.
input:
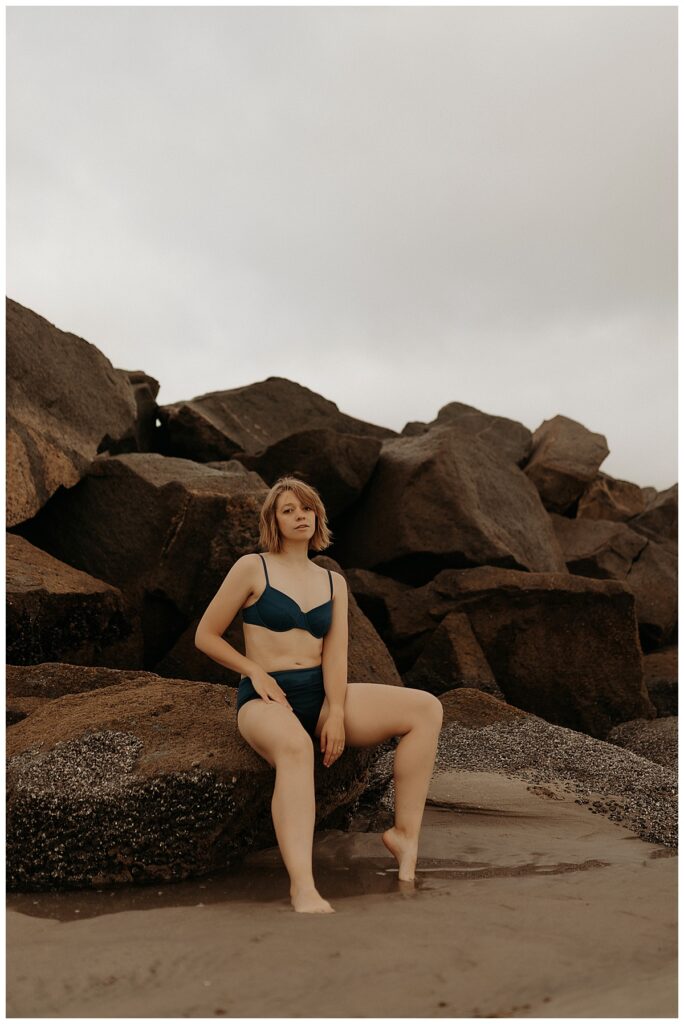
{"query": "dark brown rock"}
{"type": "Point", "coordinates": [165, 531]}
{"type": "Point", "coordinates": [56, 612]}
{"type": "Point", "coordinates": [65, 403]}
{"type": "Point", "coordinates": [185, 661]}
{"type": "Point", "coordinates": [608, 498]}
{"type": "Point", "coordinates": [145, 391]}
{"type": "Point", "coordinates": [564, 461]}
{"type": "Point", "coordinates": [600, 548]}
{"type": "Point", "coordinates": [474, 709]}
{"type": "Point", "coordinates": [658, 521]}
{"type": "Point", "coordinates": [662, 679]}
{"type": "Point", "coordinates": [653, 581]}
{"type": "Point", "coordinates": [611, 550]}
{"type": "Point", "coordinates": [452, 657]}
{"type": "Point", "coordinates": [562, 647]}
{"type": "Point", "coordinates": [509, 438]}
{"type": "Point", "coordinates": [337, 465]}
{"type": "Point", "coordinates": [446, 498]}
{"type": "Point", "coordinates": [372, 593]}
{"type": "Point", "coordinates": [141, 782]}
{"type": "Point", "coordinates": [248, 419]}
{"type": "Point", "coordinates": [655, 740]}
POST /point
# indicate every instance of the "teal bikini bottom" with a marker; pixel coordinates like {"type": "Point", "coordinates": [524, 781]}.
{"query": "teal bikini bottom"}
{"type": "Point", "coordinates": [303, 688]}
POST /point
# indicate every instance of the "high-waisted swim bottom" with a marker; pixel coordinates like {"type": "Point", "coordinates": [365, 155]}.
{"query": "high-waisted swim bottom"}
{"type": "Point", "coordinates": [303, 688]}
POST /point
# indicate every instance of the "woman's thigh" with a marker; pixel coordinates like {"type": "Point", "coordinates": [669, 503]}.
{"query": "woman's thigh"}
{"type": "Point", "coordinates": [272, 730]}
{"type": "Point", "coordinates": [374, 712]}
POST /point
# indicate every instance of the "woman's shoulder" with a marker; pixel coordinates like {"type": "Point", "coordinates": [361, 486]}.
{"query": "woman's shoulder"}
{"type": "Point", "coordinates": [339, 581]}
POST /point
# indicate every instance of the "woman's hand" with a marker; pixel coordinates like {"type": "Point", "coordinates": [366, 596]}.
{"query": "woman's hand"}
{"type": "Point", "coordinates": [268, 689]}
{"type": "Point", "coordinates": [332, 737]}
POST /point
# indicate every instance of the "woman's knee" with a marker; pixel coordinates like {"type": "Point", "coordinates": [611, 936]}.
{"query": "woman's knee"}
{"type": "Point", "coordinates": [294, 744]}
{"type": "Point", "coordinates": [273, 732]}
{"type": "Point", "coordinates": [431, 709]}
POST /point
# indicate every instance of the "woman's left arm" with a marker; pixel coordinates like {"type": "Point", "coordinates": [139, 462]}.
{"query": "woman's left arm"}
{"type": "Point", "coordinates": [335, 644]}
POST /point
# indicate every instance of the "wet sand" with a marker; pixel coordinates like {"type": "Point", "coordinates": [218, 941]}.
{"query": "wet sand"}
{"type": "Point", "coordinates": [526, 905]}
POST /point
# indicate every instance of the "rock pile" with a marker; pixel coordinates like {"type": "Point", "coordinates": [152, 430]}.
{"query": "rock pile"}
{"type": "Point", "coordinates": [478, 555]}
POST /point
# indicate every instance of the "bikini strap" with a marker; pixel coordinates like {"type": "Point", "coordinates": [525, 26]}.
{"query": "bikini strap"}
{"type": "Point", "coordinates": [331, 584]}
{"type": "Point", "coordinates": [268, 582]}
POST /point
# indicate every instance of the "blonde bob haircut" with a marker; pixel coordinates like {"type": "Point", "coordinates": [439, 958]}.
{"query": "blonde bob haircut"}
{"type": "Point", "coordinates": [270, 538]}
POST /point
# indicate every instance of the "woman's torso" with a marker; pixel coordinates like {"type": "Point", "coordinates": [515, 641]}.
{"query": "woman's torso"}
{"type": "Point", "coordinates": [295, 647]}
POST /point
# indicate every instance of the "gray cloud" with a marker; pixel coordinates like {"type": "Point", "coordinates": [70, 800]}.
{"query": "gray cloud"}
{"type": "Point", "coordinates": [395, 206]}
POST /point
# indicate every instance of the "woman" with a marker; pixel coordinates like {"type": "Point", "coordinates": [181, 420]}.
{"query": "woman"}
{"type": "Point", "coordinates": [294, 688]}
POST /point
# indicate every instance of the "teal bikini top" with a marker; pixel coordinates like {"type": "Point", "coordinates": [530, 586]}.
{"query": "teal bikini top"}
{"type": "Point", "coordinates": [276, 611]}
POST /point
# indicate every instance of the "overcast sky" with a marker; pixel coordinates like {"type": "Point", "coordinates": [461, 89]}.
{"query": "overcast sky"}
{"type": "Point", "coordinates": [397, 207]}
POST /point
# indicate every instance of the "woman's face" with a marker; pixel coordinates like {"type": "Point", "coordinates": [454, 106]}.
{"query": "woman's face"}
{"type": "Point", "coordinates": [296, 519]}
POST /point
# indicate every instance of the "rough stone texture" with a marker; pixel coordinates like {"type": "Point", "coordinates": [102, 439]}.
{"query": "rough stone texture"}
{"type": "Point", "coordinates": [659, 520]}
{"type": "Point", "coordinates": [611, 550]}
{"type": "Point", "coordinates": [452, 657]}
{"type": "Point", "coordinates": [509, 438]}
{"type": "Point", "coordinates": [445, 498]}
{"type": "Point", "coordinates": [145, 391]}
{"type": "Point", "coordinates": [58, 613]}
{"type": "Point", "coordinates": [608, 498]}
{"type": "Point", "coordinates": [372, 591]}
{"type": "Point", "coordinates": [248, 419]}
{"type": "Point", "coordinates": [563, 647]}
{"type": "Point", "coordinates": [600, 548]}
{"type": "Point", "coordinates": [653, 581]}
{"type": "Point", "coordinates": [165, 531]}
{"type": "Point", "coordinates": [185, 661]}
{"type": "Point", "coordinates": [662, 680]}
{"type": "Point", "coordinates": [474, 709]}
{"type": "Point", "coordinates": [369, 661]}
{"type": "Point", "coordinates": [65, 403]}
{"type": "Point", "coordinates": [564, 461]}
{"type": "Point", "coordinates": [337, 465]}
{"type": "Point", "coordinates": [31, 686]}
{"type": "Point", "coordinates": [141, 782]}
{"type": "Point", "coordinates": [656, 740]}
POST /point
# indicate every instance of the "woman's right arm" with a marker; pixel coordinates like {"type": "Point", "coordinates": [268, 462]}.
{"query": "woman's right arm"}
{"type": "Point", "coordinates": [223, 608]}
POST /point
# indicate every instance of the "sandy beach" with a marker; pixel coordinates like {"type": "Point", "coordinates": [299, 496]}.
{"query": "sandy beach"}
{"type": "Point", "coordinates": [527, 904]}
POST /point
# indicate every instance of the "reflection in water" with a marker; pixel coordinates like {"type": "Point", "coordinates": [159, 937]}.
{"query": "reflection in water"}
{"type": "Point", "coordinates": [265, 881]}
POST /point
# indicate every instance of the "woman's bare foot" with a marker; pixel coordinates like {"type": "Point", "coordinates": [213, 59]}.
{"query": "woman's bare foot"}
{"type": "Point", "coordinates": [405, 850]}
{"type": "Point", "coordinates": [309, 901]}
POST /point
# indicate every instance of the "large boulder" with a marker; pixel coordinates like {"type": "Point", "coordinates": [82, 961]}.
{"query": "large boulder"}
{"type": "Point", "coordinates": [656, 740]}
{"type": "Point", "coordinates": [372, 592]}
{"type": "Point", "coordinates": [31, 686]}
{"type": "Point", "coordinates": [165, 531]}
{"type": "Point", "coordinates": [65, 403]}
{"type": "Point", "coordinates": [608, 498]}
{"type": "Point", "coordinates": [601, 548]}
{"type": "Point", "coordinates": [145, 391]}
{"type": "Point", "coordinates": [612, 550]}
{"type": "Point", "coordinates": [452, 657]}
{"type": "Point", "coordinates": [250, 418]}
{"type": "Point", "coordinates": [565, 460]}
{"type": "Point", "coordinates": [142, 782]}
{"type": "Point", "coordinates": [658, 521]}
{"type": "Point", "coordinates": [565, 648]}
{"type": "Point", "coordinates": [662, 679]}
{"type": "Point", "coordinates": [58, 613]}
{"type": "Point", "coordinates": [338, 465]}
{"type": "Point", "coordinates": [446, 498]}
{"type": "Point", "coordinates": [509, 438]}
